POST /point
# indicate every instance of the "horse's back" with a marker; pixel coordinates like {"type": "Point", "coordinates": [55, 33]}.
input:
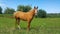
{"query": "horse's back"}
{"type": "Point", "coordinates": [20, 14]}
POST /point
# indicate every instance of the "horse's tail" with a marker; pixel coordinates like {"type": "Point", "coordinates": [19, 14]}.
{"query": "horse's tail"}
{"type": "Point", "coordinates": [14, 14]}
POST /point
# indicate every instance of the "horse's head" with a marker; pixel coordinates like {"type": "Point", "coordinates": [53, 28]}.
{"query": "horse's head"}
{"type": "Point", "coordinates": [36, 10]}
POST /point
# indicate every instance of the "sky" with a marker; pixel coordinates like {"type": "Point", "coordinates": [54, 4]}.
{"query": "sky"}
{"type": "Point", "coordinates": [50, 6]}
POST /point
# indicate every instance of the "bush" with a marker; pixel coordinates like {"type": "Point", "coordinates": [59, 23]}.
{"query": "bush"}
{"type": "Point", "coordinates": [41, 13]}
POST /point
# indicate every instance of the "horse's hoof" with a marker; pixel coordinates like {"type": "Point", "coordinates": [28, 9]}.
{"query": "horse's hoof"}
{"type": "Point", "coordinates": [18, 28]}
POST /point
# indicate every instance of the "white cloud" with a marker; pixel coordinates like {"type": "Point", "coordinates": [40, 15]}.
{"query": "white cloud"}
{"type": "Point", "coordinates": [3, 6]}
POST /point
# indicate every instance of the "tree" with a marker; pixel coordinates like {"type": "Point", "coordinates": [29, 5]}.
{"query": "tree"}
{"type": "Point", "coordinates": [27, 8]}
{"type": "Point", "coordinates": [9, 11]}
{"type": "Point", "coordinates": [23, 8]}
{"type": "Point", "coordinates": [41, 13]}
{"type": "Point", "coordinates": [0, 10]}
{"type": "Point", "coordinates": [20, 8]}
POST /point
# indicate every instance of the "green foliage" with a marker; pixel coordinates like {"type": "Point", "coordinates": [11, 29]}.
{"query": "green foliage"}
{"type": "Point", "coordinates": [0, 10]}
{"type": "Point", "coordinates": [6, 15]}
{"type": "Point", "coordinates": [20, 8]}
{"type": "Point", "coordinates": [53, 15]}
{"type": "Point", "coordinates": [41, 13]}
{"type": "Point", "coordinates": [27, 8]}
{"type": "Point", "coordinates": [9, 11]}
{"type": "Point", "coordinates": [24, 8]}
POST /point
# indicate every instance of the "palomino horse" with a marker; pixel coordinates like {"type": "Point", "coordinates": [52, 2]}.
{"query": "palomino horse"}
{"type": "Point", "coordinates": [26, 16]}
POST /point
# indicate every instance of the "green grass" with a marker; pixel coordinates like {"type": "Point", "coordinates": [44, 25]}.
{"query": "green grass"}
{"type": "Point", "coordinates": [38, 26]}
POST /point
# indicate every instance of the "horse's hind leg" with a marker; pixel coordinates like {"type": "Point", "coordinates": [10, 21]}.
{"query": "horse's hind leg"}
{"type": "Point", "coordinates": [18, 23]}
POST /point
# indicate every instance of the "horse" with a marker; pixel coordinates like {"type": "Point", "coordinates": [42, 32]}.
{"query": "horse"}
{"type": "Point", "coordinates": [26, 16]}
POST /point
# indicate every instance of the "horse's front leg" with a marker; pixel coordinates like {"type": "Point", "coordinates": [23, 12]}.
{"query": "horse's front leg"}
{"type": "Point", "coordinates": [29, 25]}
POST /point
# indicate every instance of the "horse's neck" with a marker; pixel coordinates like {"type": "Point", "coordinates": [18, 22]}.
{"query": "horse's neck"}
{"type": "Point", "coordinates": [32, 12]}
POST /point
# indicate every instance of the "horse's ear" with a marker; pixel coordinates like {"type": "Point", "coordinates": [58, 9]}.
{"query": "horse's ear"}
{"type": "Point", "coordinates": [36, 7]}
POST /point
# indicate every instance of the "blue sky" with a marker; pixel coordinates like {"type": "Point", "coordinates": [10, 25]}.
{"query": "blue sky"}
{"type": "Point", "coordinates": [50, 6]}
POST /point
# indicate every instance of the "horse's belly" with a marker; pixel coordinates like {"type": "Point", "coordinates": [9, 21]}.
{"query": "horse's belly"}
{"type": "Point", "coordinates": [23, 18]}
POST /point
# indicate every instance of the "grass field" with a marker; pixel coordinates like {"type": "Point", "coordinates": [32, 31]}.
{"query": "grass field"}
{"type": "Point", "coordinates": [38, 26]}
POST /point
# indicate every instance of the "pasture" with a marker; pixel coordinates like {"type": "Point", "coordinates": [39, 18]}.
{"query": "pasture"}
{"type": "Point", "coordinates": [38, 26]}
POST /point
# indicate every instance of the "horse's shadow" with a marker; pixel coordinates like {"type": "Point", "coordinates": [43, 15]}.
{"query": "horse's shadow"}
{"type": "Point", "coordinates": [37, 28]}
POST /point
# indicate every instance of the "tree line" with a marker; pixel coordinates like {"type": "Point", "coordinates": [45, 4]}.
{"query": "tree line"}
{"type": "Point", "coordinates": [41, 13]}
